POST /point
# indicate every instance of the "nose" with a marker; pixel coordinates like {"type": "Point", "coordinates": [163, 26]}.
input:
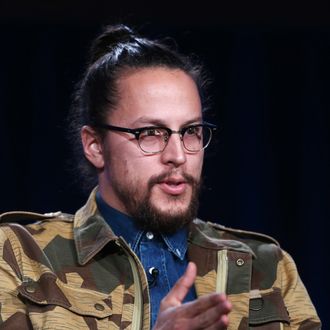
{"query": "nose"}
{"type": "Point", "coordinates": [174, 152]}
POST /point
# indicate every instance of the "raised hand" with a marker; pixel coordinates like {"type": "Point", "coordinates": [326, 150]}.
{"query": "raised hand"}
{"type": "Point", "coordinates": [206, 312]}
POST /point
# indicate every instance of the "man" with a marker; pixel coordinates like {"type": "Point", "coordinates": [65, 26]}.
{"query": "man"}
{"type": "Point", "coordinates": [135, 256]}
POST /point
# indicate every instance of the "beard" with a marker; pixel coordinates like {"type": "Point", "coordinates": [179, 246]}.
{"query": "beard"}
{"type": "Point", "coordinates": [148, 216]}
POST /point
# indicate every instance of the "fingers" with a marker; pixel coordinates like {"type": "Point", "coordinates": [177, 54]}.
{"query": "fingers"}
{"type": "Point", "coordinates": [182, 286]}
{"type": "Point", "coordinates": [207, 312]}
{"type": "Point", "coordinates": [205, 303]}
{"type": "Point", "coordinates": [212, 317]}
{"type": "Point", "coordinates": [222, 324]}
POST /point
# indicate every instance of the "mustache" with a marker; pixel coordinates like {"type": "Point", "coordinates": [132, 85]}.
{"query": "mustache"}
{"type": "Point", "coordinates": [155, 179]}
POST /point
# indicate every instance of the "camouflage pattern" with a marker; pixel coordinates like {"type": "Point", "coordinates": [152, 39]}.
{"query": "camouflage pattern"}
{"type": "Point", "coordinates": [73, 272]}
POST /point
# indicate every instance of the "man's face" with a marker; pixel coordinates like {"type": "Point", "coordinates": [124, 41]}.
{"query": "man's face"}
{"type": "Point", "coordinates": [159, 190]}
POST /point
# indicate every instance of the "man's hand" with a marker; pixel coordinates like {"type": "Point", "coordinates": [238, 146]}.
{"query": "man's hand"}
{"type": "Point", "coordinates": [207, 312]}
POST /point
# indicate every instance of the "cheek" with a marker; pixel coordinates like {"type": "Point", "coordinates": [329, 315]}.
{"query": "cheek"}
{"type": "Point", "coordinates": [195, 164]}
{"type": "Point", "coordinates": [118, 157]}
{"type": "Point", "coordinates": [128, 170]}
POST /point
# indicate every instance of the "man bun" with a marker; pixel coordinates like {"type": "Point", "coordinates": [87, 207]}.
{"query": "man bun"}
{"type": "Point", "coordinates": [111, 37]}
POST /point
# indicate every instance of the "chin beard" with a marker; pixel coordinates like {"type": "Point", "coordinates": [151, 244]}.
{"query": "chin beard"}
{"type": "Point", "coordinates": [149, 217]}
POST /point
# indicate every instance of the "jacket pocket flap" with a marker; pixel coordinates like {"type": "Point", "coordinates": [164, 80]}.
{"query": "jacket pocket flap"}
{"type": "Point", "coordinates": [49, 290]}
{"type": "Point", "coordinates": [268, 307]}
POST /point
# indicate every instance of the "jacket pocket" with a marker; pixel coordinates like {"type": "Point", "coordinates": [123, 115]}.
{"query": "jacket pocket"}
{"type": "Point", "coordinates": [52, 304]}
{"type": "Point", "coordinates": [267, 311]}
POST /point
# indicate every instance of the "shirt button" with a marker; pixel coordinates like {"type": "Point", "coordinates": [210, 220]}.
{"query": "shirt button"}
{"type": "Point", "coordinates": [239, 262]}
{"type": "Point", "coordinates": [153, 271]}
{"type": "Point", "coordinates": [178, 252]}
{"type": "Point", "coordinates": [150, 235]}
{"type": "Point", "coordinates": [99, 307]}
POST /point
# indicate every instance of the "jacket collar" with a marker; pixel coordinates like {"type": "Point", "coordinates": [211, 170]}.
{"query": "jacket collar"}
{"type": "Point", "coordinates": [91, 232]}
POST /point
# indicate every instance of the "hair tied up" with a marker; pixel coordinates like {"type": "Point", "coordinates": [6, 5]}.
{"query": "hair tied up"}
{"type": "Point", "coordinates": [109, 39]}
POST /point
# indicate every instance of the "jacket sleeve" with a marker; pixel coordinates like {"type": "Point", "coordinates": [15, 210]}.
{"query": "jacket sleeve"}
{"type": "Point", "coordinates": [301, 311]}
{"type": "Point", "coordinates": [12, 309]}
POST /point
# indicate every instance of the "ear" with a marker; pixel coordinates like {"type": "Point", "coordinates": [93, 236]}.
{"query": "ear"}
{"type": "Point", "coordinates": [92, 146]}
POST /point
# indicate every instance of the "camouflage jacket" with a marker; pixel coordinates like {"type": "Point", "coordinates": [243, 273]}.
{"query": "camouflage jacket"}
{"type": "Point", "coordinates": [72, 272]}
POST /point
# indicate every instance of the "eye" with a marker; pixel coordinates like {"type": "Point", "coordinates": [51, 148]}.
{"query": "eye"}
{"type": "Point", "coordinates": [152, 132]}
{"type": "Point", "coordinates": [192, 130]}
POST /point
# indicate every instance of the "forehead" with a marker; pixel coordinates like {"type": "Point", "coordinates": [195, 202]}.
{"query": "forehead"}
{"type": "Point", "coordinates": [150, 95]}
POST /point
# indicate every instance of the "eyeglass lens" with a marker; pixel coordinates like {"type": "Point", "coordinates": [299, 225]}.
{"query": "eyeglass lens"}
{"type": "Point", "coordinates": [194, 139]}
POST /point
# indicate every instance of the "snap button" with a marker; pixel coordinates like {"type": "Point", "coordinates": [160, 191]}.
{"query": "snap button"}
{"type": "Point", "coordinates": [99, 307]}
{"type": "Point", "coordinates": [30, 288]}
{"type": "Point", "coordinates": [150, 235]}
{"type": "Point", "coordinates": [239, 262]}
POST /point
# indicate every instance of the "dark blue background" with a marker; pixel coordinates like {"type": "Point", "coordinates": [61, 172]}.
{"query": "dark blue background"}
{"type": "Point", "coordinates": [269, 170]}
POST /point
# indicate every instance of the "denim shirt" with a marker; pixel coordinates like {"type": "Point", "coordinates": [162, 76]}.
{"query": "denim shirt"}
{"type": "Point", "coordinates": [166, 253]}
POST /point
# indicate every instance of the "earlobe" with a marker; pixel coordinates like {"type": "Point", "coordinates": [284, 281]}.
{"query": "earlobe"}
{"type": "Point", "coordinates": [92, 146]}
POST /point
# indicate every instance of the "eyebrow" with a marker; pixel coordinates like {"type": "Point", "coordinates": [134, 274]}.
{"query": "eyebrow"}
{"type": "Point", "coordinates": [160, 122]}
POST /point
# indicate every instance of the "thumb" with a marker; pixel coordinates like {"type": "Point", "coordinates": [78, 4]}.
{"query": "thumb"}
{"type": "Point", "coordinates": [180, 289]}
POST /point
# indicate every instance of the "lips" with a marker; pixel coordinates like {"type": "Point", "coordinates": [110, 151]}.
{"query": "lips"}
{"type": "Point", "coordinates": [173, 186]}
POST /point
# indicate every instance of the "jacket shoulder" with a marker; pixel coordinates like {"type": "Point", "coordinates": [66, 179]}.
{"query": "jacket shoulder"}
{"type": "Point", "coordinates": [232, 233]}
{"type": "Point", "coordinates": [26, 217]}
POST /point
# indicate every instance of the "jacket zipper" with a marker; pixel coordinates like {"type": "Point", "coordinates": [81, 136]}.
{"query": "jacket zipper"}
{"type": "Point", "coordinates": [137, 311]}
{"type": "Point", "coordinates": [222, 271]}
{"type": "Point", "coordinates": [138, 302]}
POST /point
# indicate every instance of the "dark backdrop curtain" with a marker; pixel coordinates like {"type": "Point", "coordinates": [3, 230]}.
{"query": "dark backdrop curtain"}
{"type": "Point", "coordinates": [269, 170]}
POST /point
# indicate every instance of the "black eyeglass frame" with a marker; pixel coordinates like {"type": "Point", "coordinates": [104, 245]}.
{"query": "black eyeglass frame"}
{"type": "Point", "coordinates": [137, 131]}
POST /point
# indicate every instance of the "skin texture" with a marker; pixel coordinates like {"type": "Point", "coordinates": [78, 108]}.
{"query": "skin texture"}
{"type": "Point", "coordinates": [167, 182]}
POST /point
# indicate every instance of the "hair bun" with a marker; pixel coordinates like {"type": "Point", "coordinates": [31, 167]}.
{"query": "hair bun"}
{"type": "Point", "coordinates": [111, 36]}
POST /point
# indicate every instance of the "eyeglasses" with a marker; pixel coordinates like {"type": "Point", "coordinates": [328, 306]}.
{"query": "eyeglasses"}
{"type": "Point", "coordinates": [153, 139]}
